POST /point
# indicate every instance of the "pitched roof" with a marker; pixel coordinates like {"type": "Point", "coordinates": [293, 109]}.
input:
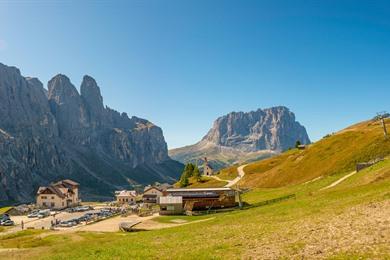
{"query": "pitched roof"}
{"type": "Point", "coordinates": [152, 187]}
{"type": "Point", "coordinates": [126, 193]}
{"type": "Point", "coordinates": [52, 189]}
{"type": "Point", "coordinates": [67, 182]}
{"type": "Point", "coordinates": [61, 188]}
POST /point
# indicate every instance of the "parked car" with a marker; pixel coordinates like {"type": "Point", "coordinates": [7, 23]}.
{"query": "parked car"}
{"type": "Point", "coordinates": [44, 213]}
{"type": "Point", "coordinates": [82, 208]}
{"type": "Point", "coordinates": [4, 217]}
{"type": "Point", "coordinates": [70, 210]}
{"type": "Point", "coordinates": [7, 222]}
{"type": "Point", "coordinates": [33, 214]}
{"type": "Point", "coordinates": [84, 218]}
{"type": "Point", "coordinates": [66, 224]}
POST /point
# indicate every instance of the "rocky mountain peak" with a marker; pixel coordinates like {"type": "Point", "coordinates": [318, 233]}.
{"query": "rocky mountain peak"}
{"type": "Point", "coordinates": [61, 89]}
{"type": "Point", "coordinates": [62, 134]}
{"type": "Point", "coordinates": [245, 136]}
{"type": "Point", "coordinates": [7, 71]}
{"type": "Point", "coordinates": [90, 92]}
{"type": "Point", "coordinates": [273, 129]}
{"type": "Point", "coordinates": [34, 82]}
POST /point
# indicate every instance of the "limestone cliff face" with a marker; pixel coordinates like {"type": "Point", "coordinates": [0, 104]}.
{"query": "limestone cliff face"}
{"type": "Point", "coordinates": [269, 129]}
{"type": "Point", "coordinates": [240, 137]}
{"type": "Point", "coordinates": [64, 134]}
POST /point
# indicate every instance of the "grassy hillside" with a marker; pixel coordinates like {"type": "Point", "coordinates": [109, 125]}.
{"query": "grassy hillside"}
{"type": "Point", "coordinates": [204, 183]}
{"type": "Point", "coordinates": [4, 209]}
{"type": "Point", "coordinates": [229, 173]}
{"type": "Point", "coordinates": [345, 222]}
{"type": "Point", "coordinates": [337, 153]}
{"type": "Point", "coordinates": [291, 215]}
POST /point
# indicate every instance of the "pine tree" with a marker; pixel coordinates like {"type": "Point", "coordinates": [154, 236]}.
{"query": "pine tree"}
{"type": "Point", "coordinates": [197, 174]}
{"type": "Point", "coordinates": [184, 180]}
{"type": "Point", "coordinates": [189, 169]}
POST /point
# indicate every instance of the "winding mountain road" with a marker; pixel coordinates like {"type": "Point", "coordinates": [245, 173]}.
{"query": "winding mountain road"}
{"type": "Point", "coordinates": [231, 183]}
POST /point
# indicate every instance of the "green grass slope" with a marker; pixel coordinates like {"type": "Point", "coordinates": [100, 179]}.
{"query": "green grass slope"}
{"type": "Point", "coordinates": [335, 154]}
{"type": "Point", "coordinates": [345, 222]}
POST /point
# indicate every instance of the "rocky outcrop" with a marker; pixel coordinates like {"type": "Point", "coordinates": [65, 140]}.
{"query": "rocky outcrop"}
{"type": "Point", "coordinates": [63, 134]}
{"type": "Point", "coordinates": [269, 129]}
{"type": "Point", "coordinates": [241, 136]}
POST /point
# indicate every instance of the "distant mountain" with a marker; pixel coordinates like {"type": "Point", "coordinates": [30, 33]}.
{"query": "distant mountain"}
{"type": "Point", "coordinates": [49, 135]}
{"type": "Point", "coordinates": [238, 137]}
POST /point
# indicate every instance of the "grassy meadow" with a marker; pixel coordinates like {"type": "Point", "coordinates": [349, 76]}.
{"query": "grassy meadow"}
{"type": "Point", "coordinates": [335, 154]}
{"type": "Point", "coordinates": [347, 221]}
{"type": "Point", "coordinates": [289, 228]}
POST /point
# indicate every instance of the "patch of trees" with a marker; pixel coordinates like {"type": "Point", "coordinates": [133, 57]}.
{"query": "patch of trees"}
{"type": "Point", "coordinates": [190, 170]}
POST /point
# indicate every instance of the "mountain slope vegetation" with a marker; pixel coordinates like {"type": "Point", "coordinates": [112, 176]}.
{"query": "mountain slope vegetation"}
{"type": "Point", "coordinates": [336, 153]}
{"type": "Point", "coordinates": [345, 222]}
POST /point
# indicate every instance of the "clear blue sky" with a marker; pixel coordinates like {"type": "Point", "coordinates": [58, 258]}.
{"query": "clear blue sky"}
{"type": "Point", "coordinates": [181, 64]}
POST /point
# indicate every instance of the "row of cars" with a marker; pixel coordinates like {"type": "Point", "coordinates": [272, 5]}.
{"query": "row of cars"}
{"type": "Point", "coordinates": [5, 220]}
{"type": "Point", "coordinates": [46, 212]}
{"type": "Point", "coordinates": [79, 209]}
{"type": "Point", "coordinates": [39, 213]}
{"type": "Point", "coordinates": [88, 217]}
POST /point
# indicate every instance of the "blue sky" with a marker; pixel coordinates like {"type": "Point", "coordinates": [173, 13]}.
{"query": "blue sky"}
{"type": "Point", "coordinates": [181, 64]}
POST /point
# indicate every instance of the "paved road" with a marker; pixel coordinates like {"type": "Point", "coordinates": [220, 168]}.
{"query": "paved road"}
{"type": "Point", "coordinates": [231, 183]}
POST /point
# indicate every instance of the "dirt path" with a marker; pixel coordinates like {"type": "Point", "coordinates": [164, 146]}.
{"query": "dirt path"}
{"type": "Point", "coordinates": [233, 182]}
{"type": "Point", "coordinates": [339, 180]}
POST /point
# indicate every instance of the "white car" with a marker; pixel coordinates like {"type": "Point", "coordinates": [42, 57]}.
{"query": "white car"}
{"type": "Point", "coordinates": [33, 214]}
{"type": "Point", "coordinates": [7, 223]}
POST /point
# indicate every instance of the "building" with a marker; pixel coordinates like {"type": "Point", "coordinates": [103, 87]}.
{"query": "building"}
{"type": "Point", "coordinates": [59, 195]}
{"type": "Point", "coordinates": [207, 168]}
{"type": "Point", "coordinates": [126, 197]}
{"type": "Point", "coordinates": [151, 194]}
{"type": "Point", "coordinates": [204, 198]}
{"type": "Point", "coordinates": [170, 205]}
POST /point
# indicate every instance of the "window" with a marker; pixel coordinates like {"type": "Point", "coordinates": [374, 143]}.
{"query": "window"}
{"type": "Point", "coordinates": [52, 204]}
{"type": "Point", "coordinates": [52, 197]}
{"type": "Point", "coordinates": [63, 204]}
{"type": "Point", "coordinates": [43, 197]}
{"type": "Point", "coordinates": [170, 207]}
{"type": "Point", "coordinates": [44, 204]}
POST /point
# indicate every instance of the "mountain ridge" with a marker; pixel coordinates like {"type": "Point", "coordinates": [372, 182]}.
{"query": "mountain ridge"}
{"type": "Point", "coordinates": [247, 135]}
{"type": "Point", "coordinates": [61, 133]}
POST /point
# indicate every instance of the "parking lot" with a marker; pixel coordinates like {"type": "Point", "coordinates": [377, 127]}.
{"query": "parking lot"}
{"type": "Point", "coordinates": [61, 219]}
{"type": "Point", "coordinates": [100, 218]}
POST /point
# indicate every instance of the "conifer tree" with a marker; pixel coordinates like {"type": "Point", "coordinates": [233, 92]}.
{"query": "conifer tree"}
{"type": "Point", "coordinates": [197, 174]}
